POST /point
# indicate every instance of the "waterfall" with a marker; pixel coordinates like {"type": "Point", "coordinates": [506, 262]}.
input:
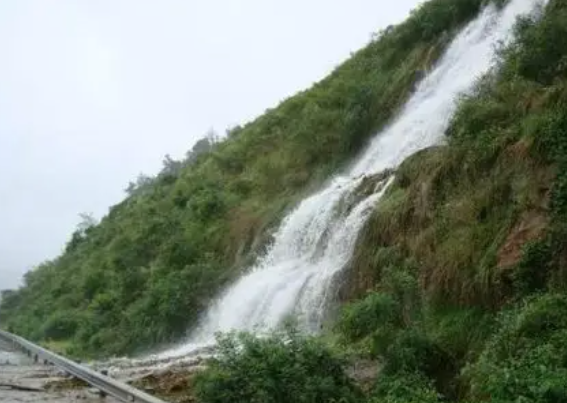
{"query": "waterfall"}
{"type": "Point", "coordinates": [316, 240]}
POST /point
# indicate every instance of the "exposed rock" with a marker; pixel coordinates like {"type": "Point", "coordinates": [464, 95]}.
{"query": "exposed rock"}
{"type": "Point", "coordinates": [372, 184]}
{"type": "Point", "coordinates": [364, 372]}
{"type": "Point", "coordinates": [530, 227]}
{"type": "Point", "coordinates": [171, 385]}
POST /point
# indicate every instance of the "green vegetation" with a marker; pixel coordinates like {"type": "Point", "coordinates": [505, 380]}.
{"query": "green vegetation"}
{"type": "Point", "coordinates": [142, 275]}
{"type": "Point", "coordinates": [526, 357]}
{"type": "Point", "coordinates": [457, 285]}
{"type": "Point", "coordinates": [458, 282]}
{"type": "Point", "coordinates": [475, 232]}
{"type": "Point", "coordinates": [277, 369]}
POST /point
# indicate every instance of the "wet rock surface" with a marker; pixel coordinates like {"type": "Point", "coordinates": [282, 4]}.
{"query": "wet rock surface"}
{"type": "Point", "coordinates": [21, 380]}
{"type": "Point", "coordinates": [168, 378]}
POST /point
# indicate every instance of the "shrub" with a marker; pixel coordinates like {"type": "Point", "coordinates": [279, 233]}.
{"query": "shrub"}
{"type": "Point", "coordinates": [526, 360]}
{"type": "Point", "coordinates": [532, 272]}
{"type": "Point", "coordinates": [281, 368]}
{"type": "Point", "coordinates": [540, 53]}
{"type": "Point", "coordinates": [406, 387]}
{"type": "Point", "coordinates": [413, 351]}
{"type": "Point", "coordinates": [361, 318]}
{"type": "Point", "coordinates": [59, 326]}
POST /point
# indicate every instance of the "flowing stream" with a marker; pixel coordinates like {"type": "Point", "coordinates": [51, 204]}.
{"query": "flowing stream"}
{"type": "Point", "coordinates": [316, 240]}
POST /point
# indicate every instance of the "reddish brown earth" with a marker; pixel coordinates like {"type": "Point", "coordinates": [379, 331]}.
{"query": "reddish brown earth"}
{"type": "Point", "coordinates": [530, 227]}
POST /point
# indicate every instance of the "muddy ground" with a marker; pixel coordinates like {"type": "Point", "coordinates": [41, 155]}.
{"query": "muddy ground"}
{"type": "Point", "coordinates": [22, 381]}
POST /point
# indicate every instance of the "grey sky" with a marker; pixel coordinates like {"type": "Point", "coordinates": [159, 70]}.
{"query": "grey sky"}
{"type": "Point", "coordinates": [94, 92]}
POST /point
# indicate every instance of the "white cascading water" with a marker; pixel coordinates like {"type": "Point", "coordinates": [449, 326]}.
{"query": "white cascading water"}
{"type": "Point", "coordinates": [316, 240]}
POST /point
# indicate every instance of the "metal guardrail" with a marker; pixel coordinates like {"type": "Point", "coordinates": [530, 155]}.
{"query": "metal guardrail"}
{"type": "Point", "coordinates": [102, 382]}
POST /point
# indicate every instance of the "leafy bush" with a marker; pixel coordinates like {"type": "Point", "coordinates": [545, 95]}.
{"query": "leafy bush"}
{"type": "Point", "coordinates": [277, 369]}
{"type": "Point", "coordinates": [535, 56]}
{"type": "Point", "coordinates": [404, 387]}
{"type": "Point", "coordinates": [412, 351]}
{"type": "Point", "coordinates": [526, 360]}
{"type": "Point", "coordinates": [433, 18]}
{"type": "Point", "coordinates": [361, 318]}
{"type": "Point", "coordinates": [533, 271]}
{"type": "Point", "coordinates": [59, 326]}
{"type": "Point", "coordinates": [461, 332]}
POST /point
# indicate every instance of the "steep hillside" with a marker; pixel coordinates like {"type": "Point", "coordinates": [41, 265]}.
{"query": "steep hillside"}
{"type": "Point", "coordinates": [457, 287]}
{"type": "Point", "coordinates": [143, 274]}
{"type": "Point", "coordinates": [456, 290]}
{"type": "Point", "coordinates": [470, 243]}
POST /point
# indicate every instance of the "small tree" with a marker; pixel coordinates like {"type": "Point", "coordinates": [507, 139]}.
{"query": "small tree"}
{"type": "Point", "coordinates": [171, 166]}
{"type": "Point", "coordinates": [143, 182]}
{"type": "Point", "coordinates": [87, 223]}
{"type": "Point", "coordinates": [202, 146]}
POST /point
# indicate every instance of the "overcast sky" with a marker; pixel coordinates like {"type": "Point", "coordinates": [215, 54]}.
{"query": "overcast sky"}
{"type": "Point", "coordinates": [93, 92]}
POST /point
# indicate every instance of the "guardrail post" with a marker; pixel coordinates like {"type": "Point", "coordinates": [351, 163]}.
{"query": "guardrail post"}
{"type": "Point", "coordinates": [101, 393]}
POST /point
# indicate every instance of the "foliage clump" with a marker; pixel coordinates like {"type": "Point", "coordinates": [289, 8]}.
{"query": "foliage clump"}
{"type": "Point", "coordinates": [280, 368]}
{"type": "Point", "coordinates": [526, 359]}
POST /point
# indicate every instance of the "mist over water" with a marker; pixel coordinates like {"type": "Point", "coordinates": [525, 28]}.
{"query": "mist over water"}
{"type": "Point", "coordinates": [316, 240]}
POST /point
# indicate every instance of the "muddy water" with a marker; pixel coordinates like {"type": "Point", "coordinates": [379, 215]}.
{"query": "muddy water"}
{"type": "Point", "coordinates": [16, 369]}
